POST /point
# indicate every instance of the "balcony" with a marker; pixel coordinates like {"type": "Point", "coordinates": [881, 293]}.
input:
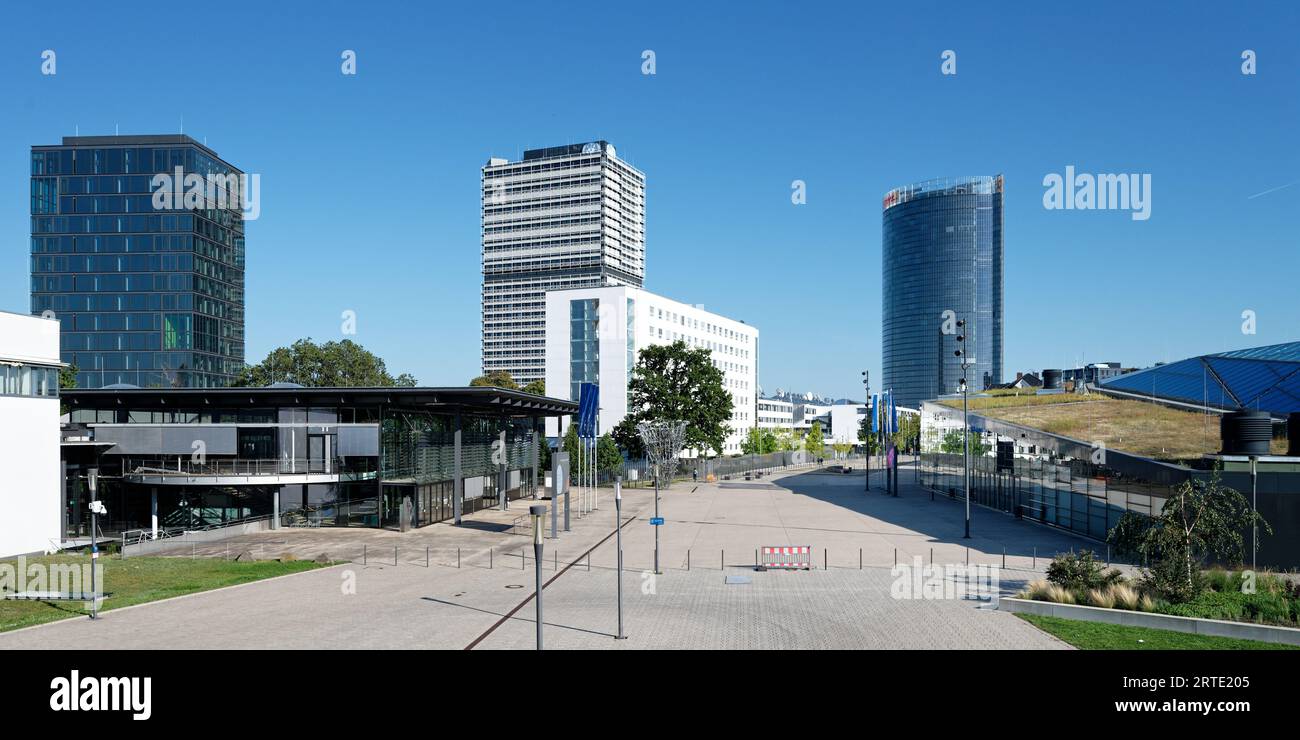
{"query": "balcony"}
{"type": "Point", "coordinates": [184, 470]}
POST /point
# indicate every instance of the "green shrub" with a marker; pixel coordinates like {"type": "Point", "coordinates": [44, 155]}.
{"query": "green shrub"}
{"type": "Point", "coordinates": [1081, 572]}
{"type": "Point", "coordinates": [1263, 607]}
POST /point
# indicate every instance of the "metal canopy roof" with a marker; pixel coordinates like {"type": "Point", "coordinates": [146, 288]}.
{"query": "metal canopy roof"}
{"type": "Point", "coordinates": [1260, 378]}
{"type": "Point", "coordinates": [474, 398]}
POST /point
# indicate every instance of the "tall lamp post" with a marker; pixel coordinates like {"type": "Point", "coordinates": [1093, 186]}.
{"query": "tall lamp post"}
{"type": "Point", "coordinates": [966, 362]}
{"type": "Point", "coordinates": [866, 442]}
{"type": "Point", "coordinates": [618, 529]}
{"type": "Point", "coordinates": [96, 506]}
{"type": "Point", "coordinates": [538, 513]}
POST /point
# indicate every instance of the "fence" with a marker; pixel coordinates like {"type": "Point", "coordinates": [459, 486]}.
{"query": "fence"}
{"type": "Point", "coordinates": [1075, 496]}
{"type": "Point", "coordinates": [640, 473]}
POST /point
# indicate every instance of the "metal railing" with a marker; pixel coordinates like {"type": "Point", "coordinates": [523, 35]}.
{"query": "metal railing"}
{"type": "Point", "coordinates": [138, 536]}
{"type": "Point", "coordinates": [185, 465]}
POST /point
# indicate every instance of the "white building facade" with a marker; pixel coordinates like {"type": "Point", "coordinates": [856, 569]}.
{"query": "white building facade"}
{"type": "Point", "coordinates": [562, 217]}
{"type": "Point", "coordinates": [31, 516]}
{"type": "Point", "coordinates": [595, 335]}
{"type": "Point", "coordinates": [774, 413]}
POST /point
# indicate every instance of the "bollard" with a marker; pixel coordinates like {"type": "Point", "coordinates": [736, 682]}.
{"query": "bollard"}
{"type": "Point", "coordinates": [860, 558]}
{"type": "Point", "coordinates": [722, 560]}
{"type": "Point", "coordinates": [825, 556]}
{"type": "Point", "coordinates": [931, 556]}
{"type": "Point", "coordinates": [1035, 557]}
{"type": "Point", "coordinates": [363, 554]}
{"type": "Point", "coordinates": [426, 556]}
{"type": "Point", "coordinates": [755, 557]}
{"type": "Point", "coordinates": [458, 558]}
{"type": "Point", "coordinates": [895, 556]}
{"type": "Point", "coordinates": [491, 556]}
{"type": "Point", "coordinates": [1004, 556]}
{"type": "Point", "coordinates": [556, 566]}
{"type": "Point", "coordinates": [589, 562]}
{"type": "Point", "coordinates": [394, 554]}
{"type": "Point", "coordinates": [688, 561]}
{"type": "Point", "coordinates": [523, 559]}
{"type": "Point", "coordinates": [968, 555]}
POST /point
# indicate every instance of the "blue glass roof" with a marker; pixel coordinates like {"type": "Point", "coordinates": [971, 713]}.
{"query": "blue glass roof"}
{"type": "Point", "coordinates": [1261, 378]}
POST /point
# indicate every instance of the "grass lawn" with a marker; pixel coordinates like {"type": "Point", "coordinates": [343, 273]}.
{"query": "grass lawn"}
{"type": "Point", "coordinates": [1119, 424]}
{"type": "Point", "coordinates": [1101, 636]}
{"type": "Point", "coordinates": [142, 579]}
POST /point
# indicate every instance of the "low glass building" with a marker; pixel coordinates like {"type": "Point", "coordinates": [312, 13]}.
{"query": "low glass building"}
{"type": "Point", "coordinates": [172, 459]}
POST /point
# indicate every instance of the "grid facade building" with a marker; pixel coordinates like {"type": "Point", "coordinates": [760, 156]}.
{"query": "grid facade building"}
{"type": "Point", "coordinates": [941, 251]}
{"type": "Point", "coordinates": [148, 292]}
{"type": "Point", "coordinates": [561, 218]}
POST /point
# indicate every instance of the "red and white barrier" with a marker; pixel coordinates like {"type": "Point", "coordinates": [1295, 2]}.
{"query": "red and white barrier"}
{"type": "Point", "coordinates": [791, 556]}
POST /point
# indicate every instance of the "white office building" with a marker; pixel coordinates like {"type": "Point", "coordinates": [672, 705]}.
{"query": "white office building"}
{"type": "Point", "coordinates": [594, 335]}
{"type": "Point", "coordinates": [773, 413]}
{"type": "Point", "coordinates": [562, 217]}
{"type": "Point", "coordinates": [30, 510]}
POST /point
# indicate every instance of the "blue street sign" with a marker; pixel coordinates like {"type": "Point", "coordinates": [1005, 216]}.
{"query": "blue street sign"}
{"type": "Point", "coordinates": [657, 521]}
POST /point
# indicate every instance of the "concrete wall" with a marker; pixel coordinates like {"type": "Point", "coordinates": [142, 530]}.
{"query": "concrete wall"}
{"type": "Point", "coordinates": [150, 547]}
{"type": "Point", "coordinates": [1215, 627]}
{"type": "Point", "coordinates": [30, 507]}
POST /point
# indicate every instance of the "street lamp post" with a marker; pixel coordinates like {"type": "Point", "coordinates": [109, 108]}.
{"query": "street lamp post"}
{"type": "Point", "coordinates": [538, 513]}
{"type": "Point", "coordinates": [866, 442]}
{"type": "Point", "coordinates": [657, 470]}
{"type": "Point", "coordinates": [92, 482]}
{"type": "Point", "coordinates": [618, 529]}
{"type": "Point", "coordinates": [965, 423]}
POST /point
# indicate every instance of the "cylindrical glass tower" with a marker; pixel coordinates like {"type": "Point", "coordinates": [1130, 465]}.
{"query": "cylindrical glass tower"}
{"type": "Point", "coordinates": [942, 251]}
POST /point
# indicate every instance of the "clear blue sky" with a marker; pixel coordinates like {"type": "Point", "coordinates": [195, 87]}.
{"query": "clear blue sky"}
{"type": "Point", "coordinates": [370, 183]}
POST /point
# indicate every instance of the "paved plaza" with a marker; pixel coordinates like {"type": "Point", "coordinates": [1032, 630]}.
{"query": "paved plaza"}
{"type": "Point", "coordinates": [711, 532]}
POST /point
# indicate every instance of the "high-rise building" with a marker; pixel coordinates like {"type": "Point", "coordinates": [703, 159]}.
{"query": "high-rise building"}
{"type": "Point", "coordinates": [149, 290]}
{"type": "Point", "coordinates": [942, 251]}
{"type": "Point", "coordinates": [595, 335]}
{"type": "Point", "coordinates": [562, 217]}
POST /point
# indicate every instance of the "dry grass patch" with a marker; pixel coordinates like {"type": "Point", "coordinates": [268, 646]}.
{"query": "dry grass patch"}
{"type": "Point", "coordinates": [1127, 425]}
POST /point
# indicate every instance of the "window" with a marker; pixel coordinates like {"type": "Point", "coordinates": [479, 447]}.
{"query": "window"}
{"type": "Point", "coordinates": [34, 381]}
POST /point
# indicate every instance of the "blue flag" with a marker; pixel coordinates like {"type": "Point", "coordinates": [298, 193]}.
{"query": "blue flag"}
{"type": "Point", "coordinates": [588, 405]}
{"type": "Point", "coordinates": [893, 414]}
{"type": "Point", "coordinates": [875, 414]}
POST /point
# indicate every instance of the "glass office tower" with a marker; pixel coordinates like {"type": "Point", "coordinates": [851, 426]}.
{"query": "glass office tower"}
{"type": "Point", "coordinates": [149, 291]}
{"type": "Point", "coordinates": [942, 250]}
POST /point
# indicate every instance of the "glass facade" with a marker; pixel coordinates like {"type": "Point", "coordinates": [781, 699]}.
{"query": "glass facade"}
{"type": "Point", "coordinates": [1260, 378]}
{"type": "Point", "coordinates": [942, 251]}
{"type": "Point", "coordinates": [33, 381]}
{"type": "Point", "coordinates": [584, 344]}
{"type": "Point", "coordinates": [330, 463]}
{"type": "Point", "coordinates": [148, 292]}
